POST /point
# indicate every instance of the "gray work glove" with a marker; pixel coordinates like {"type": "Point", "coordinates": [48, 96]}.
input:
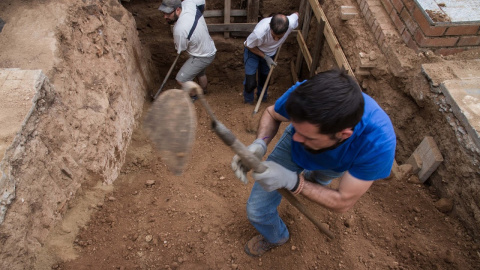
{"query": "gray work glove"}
{"type": "Point", "coordinates": [275, 177]}
{"type": "Point", "coordinates": [258, 148]}
{"type": "Point", "coordinates": [270, 61]}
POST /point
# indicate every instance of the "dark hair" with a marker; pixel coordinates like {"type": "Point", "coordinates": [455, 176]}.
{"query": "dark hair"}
{"type": "Point", "coordinates": [279, 24]}
{"type": "Point", "coordinates": [331, 100]}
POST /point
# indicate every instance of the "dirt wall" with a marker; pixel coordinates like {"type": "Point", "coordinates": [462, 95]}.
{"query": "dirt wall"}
{"type": "Point", "coordinates": [80, 128]}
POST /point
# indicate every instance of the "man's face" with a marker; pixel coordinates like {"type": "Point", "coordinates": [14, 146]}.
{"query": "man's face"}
{"type": "Point", "coordinates": [307, 134]}
{"type": "Point", "coordinates": [172, 17]}
{"type": "Point", "coordinates": [275, 36]}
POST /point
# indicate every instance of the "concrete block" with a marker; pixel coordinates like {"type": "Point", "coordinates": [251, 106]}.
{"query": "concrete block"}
{"type": "Point", "coordinates": [416, 161]}
{"type": "Point", "coordinates": [427, 157]}
{"type": "Point", "coordinates": [348, 12]}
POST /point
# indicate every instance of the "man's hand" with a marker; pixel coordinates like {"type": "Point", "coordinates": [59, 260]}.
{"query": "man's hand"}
{"type": "Point", "coordinates": [270, 61]}
{"type": "Point", "coordinates": [275, 177]}
{"type": "Point", "coordinates": [258, 148]}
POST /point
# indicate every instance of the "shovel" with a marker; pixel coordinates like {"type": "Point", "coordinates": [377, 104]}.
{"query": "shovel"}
{"type": "Point", "coordinates": [164, 131]}
{"type": "Point", "coordinates": [266, 82]}
{"type": "Point", "coordinates": [166, 77]}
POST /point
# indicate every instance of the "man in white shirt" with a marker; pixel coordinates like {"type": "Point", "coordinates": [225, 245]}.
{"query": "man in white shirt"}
{"type": "Point", "coordinates": [260, 49]}
{"type": "Point", "coordinates": [190, 33]}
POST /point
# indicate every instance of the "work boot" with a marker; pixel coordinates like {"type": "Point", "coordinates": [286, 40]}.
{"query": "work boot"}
{"type": "Point", "coordinates": [258, 245]}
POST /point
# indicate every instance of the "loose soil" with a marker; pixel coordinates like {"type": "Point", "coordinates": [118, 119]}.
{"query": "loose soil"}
{"type": "Point", "coordinates": [152, 219]}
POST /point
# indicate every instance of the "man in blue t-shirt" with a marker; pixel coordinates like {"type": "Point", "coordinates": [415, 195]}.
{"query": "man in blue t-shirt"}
{"type": "Point", "coordinates": [335, 131]}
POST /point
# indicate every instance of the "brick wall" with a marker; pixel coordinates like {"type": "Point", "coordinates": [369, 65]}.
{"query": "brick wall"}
{"type": "Point", "coordinates": [416, 28]}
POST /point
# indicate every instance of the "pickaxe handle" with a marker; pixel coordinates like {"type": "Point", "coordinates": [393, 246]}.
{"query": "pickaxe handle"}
{"type": "Point", "coordinates": [166, 77]}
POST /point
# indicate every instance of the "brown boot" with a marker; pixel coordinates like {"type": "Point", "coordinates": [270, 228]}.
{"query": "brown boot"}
{"type": "Point", "coordinates": [258, 245]}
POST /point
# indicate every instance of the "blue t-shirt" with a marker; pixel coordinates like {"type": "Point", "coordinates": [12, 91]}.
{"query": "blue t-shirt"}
{"type": "Point", "coordinates": [367, 155]}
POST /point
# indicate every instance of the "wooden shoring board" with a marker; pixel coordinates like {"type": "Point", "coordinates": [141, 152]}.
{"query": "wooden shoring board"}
{"type": "Point", "coordinates": [232, 27]}
{"type": "Point", "coordinates": [301, 11]}
{"type": "Point", "coordinates": [317, 50]}
{"type": "Point", "coordinates": [304, 49]}
{"type": "Point", "coordinates": [253, 6]}
{"type": "Point", "coordinates": [226, 16]}
{"type": "Point", "coordinates": [305, 27]}
{"type": "Point", "coordinates": [292, 70]}
{"type": "Point", "coordinates": [220, 13]}
{"type": "Point", "coordinates": [330, 37]}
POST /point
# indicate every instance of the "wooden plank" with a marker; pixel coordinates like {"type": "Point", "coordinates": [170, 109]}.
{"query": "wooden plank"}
{"type": "Point", "coordinates": [220, 13]}
{"type": "Point", "coordinates": [294, 74]}
{"type": "Point", "coordinates": [304, 49]}
{"type": "Point", "coordinates": [226, 16]}
{"type": "Point", "coordinates": [330, 37]}
{"type": "Point", "coordinates": [240, 27]}
{"type": "Point", "coordinates": [305, 28]}
{"type": "Point", "coordinates": [317, 50]}
{"type": "Point", "coordinates": [253, 7]}
{"type": "Point", "coordinates": [301, 11]}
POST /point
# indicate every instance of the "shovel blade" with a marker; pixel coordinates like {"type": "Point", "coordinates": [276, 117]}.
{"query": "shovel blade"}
{"type": "Point", "coordinates": [170, 124]}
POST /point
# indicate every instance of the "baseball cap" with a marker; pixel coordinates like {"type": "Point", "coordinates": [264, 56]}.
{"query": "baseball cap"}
{"type": "Point", "coordinates": [168, 6]}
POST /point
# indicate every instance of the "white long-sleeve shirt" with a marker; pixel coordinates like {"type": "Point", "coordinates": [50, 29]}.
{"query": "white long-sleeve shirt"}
{"type": "Point", "coordinates": [200, 43]}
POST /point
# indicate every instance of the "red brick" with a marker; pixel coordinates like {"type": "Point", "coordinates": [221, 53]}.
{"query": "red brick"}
{"type": "Point", "coordinates": [387, 5]}
{"type": "Point", "coordinates": [469, 41]}
{"type": "Point", "coordinates": [409, 22]}
{"type": "Point", "coordinates": [398, 4]}
{"type": "Point", "coordinates": [375, 26]}
{"type": "Point", "coordinates": [449, 51]}
{"type": "Point", "coordinates": [407, 38]}
{"type": "Point", "coordinates": [366, 8]}
{"type": "Point", "coordinates": [397, 22]}
{"type": "Point", "coordinates": [381, 39]}
{"type": "Point", "coordinates": [409, 5]}
{"type": "Point", "coordinates": [423, 41]}
{"type": "Point", "coordinates": [428, 30]}
{"type": "Point", "coordinates": [370, 21]}
{"type": "Point", "coordinates": [362, 5]}
{"type": "Point", "coordinates": [378, 32]}
{"type": "Point", "coordinates": [458, 30]}
{"type": "Point", "coordinates": [368, 15]}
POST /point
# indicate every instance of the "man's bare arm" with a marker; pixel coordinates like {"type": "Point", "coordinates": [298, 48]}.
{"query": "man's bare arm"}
{"type": "Point", "coordinates": [256, 51]}
{"type": "Point", "coordinates": [341, 200]}
{"type": "Point", "coordinates": [269, 124]}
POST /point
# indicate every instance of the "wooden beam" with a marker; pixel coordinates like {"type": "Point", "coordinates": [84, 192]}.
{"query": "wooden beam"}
{"type": "Point", "coordinates": [301, 12]}
{"type": "Point", "coordinates": [304, 49]}
{"type": "Point", "coordinates": [226, 16]}
{"type": "Point", "coordinates": [305, 28]}
{"type": "Point", "coordinates": [220, 13]}
{"type": "Point", "coordinates": [240, 27]}
{"type": "Point", "coordinates": [294, 74]}
{"type": "Point", "coordinates": [253, 6]}
{"type": "Point", "coordinates": [317, 50]}
{"type": "Point", "coordinates": [331, 39]}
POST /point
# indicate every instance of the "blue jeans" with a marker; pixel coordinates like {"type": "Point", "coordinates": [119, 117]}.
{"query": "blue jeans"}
{"type": "Point", "coordinates": [253, 63]}
{"type": "Point", "coordinates": [262, 205]}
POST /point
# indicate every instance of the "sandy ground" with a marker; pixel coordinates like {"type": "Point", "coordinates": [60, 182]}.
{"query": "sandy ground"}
{"type": "Point", "coordinates": [151, 219]}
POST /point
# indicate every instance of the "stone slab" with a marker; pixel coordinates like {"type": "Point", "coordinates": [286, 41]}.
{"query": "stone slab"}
{"type": "Point", "coordinates": [459, 82]}
{"type": "Point", "coordinates": [459, 11]}
{"type": "Point", "coordinates": [464, 98]}
{"type": "Point", "coordinates": [17, 89]}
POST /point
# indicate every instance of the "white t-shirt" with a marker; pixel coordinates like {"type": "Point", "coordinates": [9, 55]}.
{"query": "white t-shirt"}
{"type": "Point", "coordinates": [262, 38]}
{"type": "Point", "coordinates": [200, 43]}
